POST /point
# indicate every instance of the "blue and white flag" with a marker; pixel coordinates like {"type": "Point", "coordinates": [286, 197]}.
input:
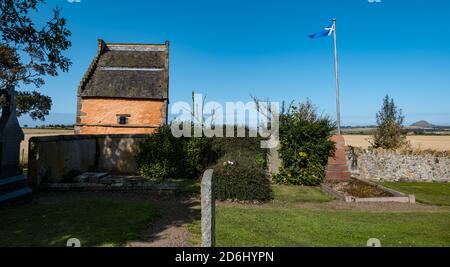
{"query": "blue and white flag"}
{"type": "Point", "coordinates": [325, 33]}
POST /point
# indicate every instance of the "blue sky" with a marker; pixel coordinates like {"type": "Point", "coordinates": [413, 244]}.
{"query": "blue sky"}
{"type": "Point", "coordinates": [232, 49]}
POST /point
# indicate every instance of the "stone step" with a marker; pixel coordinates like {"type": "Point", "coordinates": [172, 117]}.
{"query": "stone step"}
{"type": "Point", "coordinates": [340, 160]}
{"type": "Point", "coordinates": [12, 184]}
{"type": "Point", "coordinates": [337, 167]}
{"type": "Point", "coordinates": [18, 196]}
{"type": "Point", "coordinates": [339, 175]}
{"type": "Point", "coordinates": [343, 162]}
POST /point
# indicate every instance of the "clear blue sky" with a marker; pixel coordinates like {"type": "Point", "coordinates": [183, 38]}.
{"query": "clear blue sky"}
{"type": "Point", "coordinates": [231, 49]}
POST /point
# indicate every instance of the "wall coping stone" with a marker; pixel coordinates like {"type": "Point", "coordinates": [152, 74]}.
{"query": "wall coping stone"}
{"type": "Point", "coordinates": [56, 138]}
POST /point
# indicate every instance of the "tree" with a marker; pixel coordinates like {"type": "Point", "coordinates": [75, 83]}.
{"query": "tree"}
{"type": "Point", "coordinates": [28, 53]}
{"type": "Point", "coordinates": [389, 133]}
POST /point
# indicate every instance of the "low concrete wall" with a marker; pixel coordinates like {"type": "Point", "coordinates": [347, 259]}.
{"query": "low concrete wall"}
{"type": "Point", "coordinates": [58, 159]}
{"type": "Point", "coordinates": [383, 165]}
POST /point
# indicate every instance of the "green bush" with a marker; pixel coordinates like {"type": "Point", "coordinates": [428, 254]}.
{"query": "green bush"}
{"type": "Point", "coordinates": [307, 171]}
{"type": "Point", "coordinates": [239, 176]}
{"type": "Point", "coordinates": [240, 169]}
{"type": "Point", "coordinates": [155, 171]}
{"type": "Point", "coordinates": [162, 156]}
{"type": "Point", "coordinates": [222, 146]}
{"type": "Point", "coordinates": [305, 145]}
{"type": "Point", "coordinates": [240, 163]}
{"type": "Point", "coordinates": [198, 155]}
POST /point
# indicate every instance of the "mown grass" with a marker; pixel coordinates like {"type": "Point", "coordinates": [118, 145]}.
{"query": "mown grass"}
{"type": "Point", "coordinates": [95, 222]}
{"type": "Point", "coordinates": [189, 187]}
{"type": "Point", "coordinates": [282, 227]}
{"type": "Point", "coordinates": [426, 193]}
{"type": "Point", "coordinates": [299, 194]}
{"type": "Point", "coordinates": [275, 225]}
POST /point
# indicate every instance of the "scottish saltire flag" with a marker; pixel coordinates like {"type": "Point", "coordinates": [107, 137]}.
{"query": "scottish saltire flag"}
{"type": "Point", "coordinates": [325, 33]}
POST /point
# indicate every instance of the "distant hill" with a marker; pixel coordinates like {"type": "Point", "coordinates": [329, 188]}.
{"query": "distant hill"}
{"type": "Point", "coordinates": [423, 125]}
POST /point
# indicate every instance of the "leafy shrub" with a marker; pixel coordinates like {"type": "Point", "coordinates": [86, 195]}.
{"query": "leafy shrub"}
{"type": "Point", "coordinates": [156, 171]}
{"type": "Point", "coordinates": [198, 155]}
{"type": "Point", "coordinates": [240, 171]}
{"type": "Point", "coordinates": [243, 176]}
{"type": "Point", "coordinates": [161, 155]}
{"type": "Point", "coordinates": [306, 171]}
{"type": "Point", "coordinates": [239, 177]}
{"type": "Point", "coordinates": [222, 146]}
{"type": "Point", "coordinates": [305, 145]}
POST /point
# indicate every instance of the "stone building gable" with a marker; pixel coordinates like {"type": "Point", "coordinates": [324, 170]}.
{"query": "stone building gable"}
{"type": "Point", "coordinates": [124, 90]}
{"type": "Point", "coordinates": [128, 71]}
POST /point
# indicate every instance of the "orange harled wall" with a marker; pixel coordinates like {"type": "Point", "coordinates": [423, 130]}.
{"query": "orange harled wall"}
{"type": "Point", "coordinates": [99, 116]}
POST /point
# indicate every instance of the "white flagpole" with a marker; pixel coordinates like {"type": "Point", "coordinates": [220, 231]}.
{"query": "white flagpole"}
{"type": "Point", "coordinates": [338, 105]}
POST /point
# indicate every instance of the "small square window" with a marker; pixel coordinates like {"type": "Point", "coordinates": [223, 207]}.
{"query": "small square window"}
{"type": "Point", "coordinates": [122, 119]}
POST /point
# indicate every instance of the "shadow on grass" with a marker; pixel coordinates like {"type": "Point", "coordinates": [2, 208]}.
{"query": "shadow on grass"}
{"type": "Point", "coordinates": [96, 219]}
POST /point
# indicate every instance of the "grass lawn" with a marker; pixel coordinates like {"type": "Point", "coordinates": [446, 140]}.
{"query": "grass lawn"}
{"type": "Point", "coordinates": [187, 187]}
{"type": "Point", "coordinates": [299, 194]}
{"type": "Point", "coordinates": [241, 227]}
{"type": "Point", "coordinates": [275, 225]}
{"type": "Point", "coordinates": [427, 193]}
{"type": "Point", "coordinates": [95, 222]}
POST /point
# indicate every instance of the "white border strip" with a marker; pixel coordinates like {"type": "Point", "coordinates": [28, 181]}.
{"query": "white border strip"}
{"type": "Point", "coordinates": [130, 69]}
{"type": "Point", "coordinates": [135, 48]}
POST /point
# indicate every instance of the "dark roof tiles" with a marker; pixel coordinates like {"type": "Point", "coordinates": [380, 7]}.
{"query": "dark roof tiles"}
{"type": "Point", "coordinates": [127, 71]}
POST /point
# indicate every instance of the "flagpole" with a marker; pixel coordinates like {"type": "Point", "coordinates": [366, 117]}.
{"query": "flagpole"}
{"type": "Point", "coordinates": [338, 104]}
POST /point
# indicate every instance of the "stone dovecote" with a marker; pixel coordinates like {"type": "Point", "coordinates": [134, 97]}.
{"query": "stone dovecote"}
{"type": "Point", "coordinates": [125, 90]}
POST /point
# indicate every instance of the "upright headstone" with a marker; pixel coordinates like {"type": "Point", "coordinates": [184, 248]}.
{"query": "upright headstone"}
{"type": "Point", "coordinates": [13, 184]}
{"type": "Point", "coordinates": [208, 210]}
{"type": "Point", "coordinates": [274, 162]}
{"type": "Point", "coordinates": [338, 168]}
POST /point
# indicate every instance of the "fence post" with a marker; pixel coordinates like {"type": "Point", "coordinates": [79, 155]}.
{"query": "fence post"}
{"type": "Point", "coordinates": [208, 210]}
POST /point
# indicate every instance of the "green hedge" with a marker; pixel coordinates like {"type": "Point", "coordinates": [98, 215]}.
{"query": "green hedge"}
{"type": "Point", "coordinates": [241, 176]}
{"type": "Point", "coordinates": [305, 145]}
{"type": "Point", "coordinates": [162, 156]}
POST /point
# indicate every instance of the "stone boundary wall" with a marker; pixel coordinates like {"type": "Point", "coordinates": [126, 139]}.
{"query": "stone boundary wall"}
{"type": "Point", "coordinates": [57, 159]}
{"type": "Point", "coordinates": [383, 165]}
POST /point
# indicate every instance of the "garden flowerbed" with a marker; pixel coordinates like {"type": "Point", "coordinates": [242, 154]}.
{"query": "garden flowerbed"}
{"type": "Point", "coordinates": [357, 188]}
{"type": "Point", "coordinates": [362, 191]}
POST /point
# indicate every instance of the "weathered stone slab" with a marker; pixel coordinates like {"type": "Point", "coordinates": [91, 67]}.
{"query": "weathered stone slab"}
{"type": "Point", "coordinates": [410, 199]}
{"type": "Point", "coordinates": [90, 177]}
{"type": "Point", "coordinates": [118, 186]}
{"type": "Point", "coordinates": [274, 162]}
{"type": "Point", "coordinates": [13, 185]}
{"type": "Point", "coordinates": [208, 209]}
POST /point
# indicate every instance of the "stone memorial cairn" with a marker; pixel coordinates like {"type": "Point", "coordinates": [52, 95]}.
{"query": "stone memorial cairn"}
{"type": "Point", "coordinates": [13, 184]}
{"type": "Point", "coordinates": [338, 168]}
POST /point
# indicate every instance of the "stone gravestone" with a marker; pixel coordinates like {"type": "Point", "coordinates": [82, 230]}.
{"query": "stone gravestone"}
{"type": "Point", "coordinates": [208, 210]}
{"type": "Point", "coordinates": [13, 184]}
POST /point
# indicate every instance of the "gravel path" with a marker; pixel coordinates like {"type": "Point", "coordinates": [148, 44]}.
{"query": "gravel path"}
{"type": "Point", "coordinates": [171, 230]}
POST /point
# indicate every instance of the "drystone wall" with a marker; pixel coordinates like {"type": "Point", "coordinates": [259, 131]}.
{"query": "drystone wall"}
{"type": "Point", "coordinates": [382, 165]}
